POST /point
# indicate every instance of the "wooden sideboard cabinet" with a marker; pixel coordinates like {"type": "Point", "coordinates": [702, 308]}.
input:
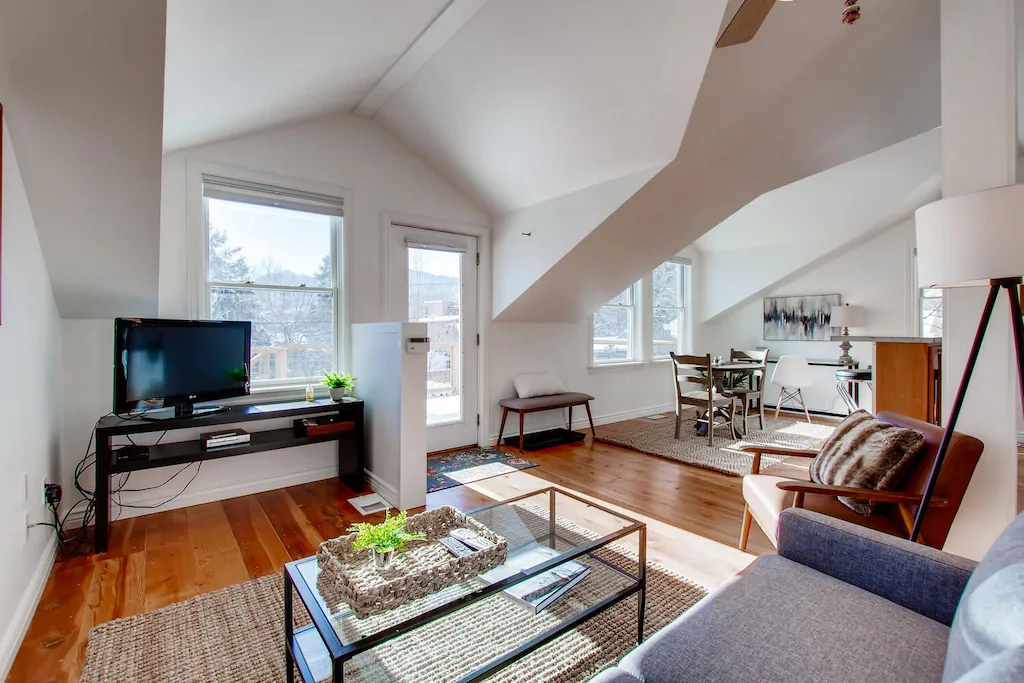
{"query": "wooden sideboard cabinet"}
{"type": "Point", "coordinates": [907, 376]}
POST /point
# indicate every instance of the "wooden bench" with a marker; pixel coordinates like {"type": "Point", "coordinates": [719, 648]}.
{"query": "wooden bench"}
{"type": "Point", "coordinates": [541, 403]}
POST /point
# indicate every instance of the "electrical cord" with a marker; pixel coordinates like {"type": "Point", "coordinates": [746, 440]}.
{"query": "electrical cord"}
{"type": "Point", "coordinates": [71, 544]}
{"type": "Point", "coordinates": [158, 505]}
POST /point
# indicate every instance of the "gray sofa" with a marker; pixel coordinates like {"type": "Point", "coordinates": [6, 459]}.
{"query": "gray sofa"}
{"type": "Point", "coordinates": [843, 603]}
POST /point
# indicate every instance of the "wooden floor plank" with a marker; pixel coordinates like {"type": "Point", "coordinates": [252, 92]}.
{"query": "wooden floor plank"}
{"type": "Point", "coordinates": [261, 549]}
{"type": "Point", "coordinates": [55, 628]}
{"type": "Point", "coordinates": [296, 535]}
{"type": "Point", "coordinates": [218, 561]}
{"type": "Point", "coordinates": [693, 518]}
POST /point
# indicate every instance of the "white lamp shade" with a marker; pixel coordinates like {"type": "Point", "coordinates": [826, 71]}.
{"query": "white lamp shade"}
{"type": "Point", "coordinates": [970, 239]}
{"type": "Point", "coordinates": [847, 316]}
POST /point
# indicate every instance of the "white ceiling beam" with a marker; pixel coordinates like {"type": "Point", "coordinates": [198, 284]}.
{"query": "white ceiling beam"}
{"type": "Point", "coordinates": [434, 37]}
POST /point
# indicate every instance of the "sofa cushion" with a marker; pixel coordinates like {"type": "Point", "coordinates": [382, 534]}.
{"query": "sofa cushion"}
{"type": "Point", "coordinates": [779, 622]}
{"type": "Point", "coordinates": [614, 675]}
{"type": "Point", "coordinates": [986, 642]}
{"type": "Point", "coordinates": [866, 453]}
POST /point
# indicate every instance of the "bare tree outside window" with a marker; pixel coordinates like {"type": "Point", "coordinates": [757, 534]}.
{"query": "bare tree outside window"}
{"type": "Point", "coordinates": [614, 329]}
{"type": "Point", "coordinates": [274, 267]}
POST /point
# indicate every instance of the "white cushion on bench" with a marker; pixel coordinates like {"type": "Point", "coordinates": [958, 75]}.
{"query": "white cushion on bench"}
{"type": "Point", "coordinates": [533, 384]}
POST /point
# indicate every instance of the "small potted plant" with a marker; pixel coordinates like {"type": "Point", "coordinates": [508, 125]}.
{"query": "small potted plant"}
{"type": "Point", "coordinates": [339, 385]}
{"type": "Point", "coordinates": [384, 538]}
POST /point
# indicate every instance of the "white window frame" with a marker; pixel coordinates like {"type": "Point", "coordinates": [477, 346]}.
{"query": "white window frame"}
{"type": "Point", "coordinates": [642, 337]}
{"type": "Point", "coordinates": [198, 260]}
{"type": "Point", "coordinates": [634, 341]}
{"type": "Point", "coordinates": [683, 309]}
{"type": "Point", "coordinates": [919, 298]}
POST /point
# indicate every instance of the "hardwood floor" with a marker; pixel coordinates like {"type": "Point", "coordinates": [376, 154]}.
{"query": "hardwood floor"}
{"type": "Point", "coordinates": [693, 519]}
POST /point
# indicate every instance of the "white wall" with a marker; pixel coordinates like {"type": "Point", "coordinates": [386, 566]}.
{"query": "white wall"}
{"type": "Point", "coordinates": [29, 410]}
{"type": "Point", "coordinates": [809, 221]}
{"type": "Point", "coordinates": [876, 274]}
{"type": "Point", "coordinates": [83, 89]}
{"type": "Point", "coordinates": [352, 153]}
{"type": "Point", "coordinates": [620, 392]}
{"type": "Point", "coordinates": [553, 227]}
{"type": "Point", "coordinates": [979, 150]}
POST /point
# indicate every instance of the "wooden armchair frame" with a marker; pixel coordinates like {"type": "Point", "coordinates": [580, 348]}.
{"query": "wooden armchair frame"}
{"type": "Point", "coordinates": [799, 488]}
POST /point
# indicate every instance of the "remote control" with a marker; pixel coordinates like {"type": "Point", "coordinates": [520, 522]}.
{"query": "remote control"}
{"type": "Point", "coordinates": [471, 538]}
{"type": "Point", "coordinates": [455, 546]}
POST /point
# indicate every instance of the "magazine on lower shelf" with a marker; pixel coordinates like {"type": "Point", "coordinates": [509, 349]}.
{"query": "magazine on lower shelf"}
{"type": "Point", "coordinates": [544, 589]}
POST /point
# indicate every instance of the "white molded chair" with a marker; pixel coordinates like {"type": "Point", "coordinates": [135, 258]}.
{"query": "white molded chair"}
{"type": "Point", "coordinates": [792, 374]}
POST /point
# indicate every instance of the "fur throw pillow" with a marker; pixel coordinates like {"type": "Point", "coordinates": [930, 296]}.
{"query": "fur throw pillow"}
{"type": "Point", "coordinates": [866, 453]}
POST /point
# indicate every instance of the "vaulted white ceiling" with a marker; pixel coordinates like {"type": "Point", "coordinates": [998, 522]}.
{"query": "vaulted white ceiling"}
{"type": "Point", "coordinates": [528, 105]}
{"type": "Point", "coordinates": [82, 87]}
{"type": "Point", "coordinates": [807, 94]}
{"type": "Point", "coordinates": [534, 99]}
{"type": "Point", "coordinates": [236, 66]}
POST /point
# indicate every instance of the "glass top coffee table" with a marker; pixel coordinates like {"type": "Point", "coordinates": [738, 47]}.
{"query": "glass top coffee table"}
{"type": "Point", "coordinates": [468, 631]}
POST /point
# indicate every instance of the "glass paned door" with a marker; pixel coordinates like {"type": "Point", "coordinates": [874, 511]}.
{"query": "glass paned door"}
{"type": "Point", "coordinates": [434, 281]}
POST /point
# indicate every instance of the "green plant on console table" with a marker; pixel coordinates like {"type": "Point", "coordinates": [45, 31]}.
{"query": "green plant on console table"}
{"type": "Point", "coordinates": [334, 380]}
{"type": "Point", "coordinates": [388, 535]}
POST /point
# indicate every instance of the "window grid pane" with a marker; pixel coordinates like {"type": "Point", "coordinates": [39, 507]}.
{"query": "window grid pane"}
{"type": "Point", "coordinates": [625, 298]}
{"type": "Point", "coordinates": [667, 330]}
{"type": "Point", "coordinates": [668, 285]}
{"type": "Point", "coordinates": [613, 334]}
{"type": "Point", "coordinates": [285, 253]}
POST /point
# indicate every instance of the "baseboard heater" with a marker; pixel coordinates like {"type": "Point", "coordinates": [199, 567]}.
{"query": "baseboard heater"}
{"type": "Point", "coordinates": [546, 439]}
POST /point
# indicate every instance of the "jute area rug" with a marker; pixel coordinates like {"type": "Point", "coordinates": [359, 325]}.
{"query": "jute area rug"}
{"type": "Point", "coordinates": [236, 634]}
{"type": "Point", "coordinates": [657, 437]}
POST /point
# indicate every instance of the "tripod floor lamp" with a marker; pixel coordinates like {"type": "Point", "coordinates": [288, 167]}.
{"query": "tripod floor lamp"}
{"type": "Point", "coordinates": [974, 240]}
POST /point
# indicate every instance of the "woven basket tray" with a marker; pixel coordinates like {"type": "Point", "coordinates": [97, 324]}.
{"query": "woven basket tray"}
{"type": "Point", "coordinates": [348, 576]}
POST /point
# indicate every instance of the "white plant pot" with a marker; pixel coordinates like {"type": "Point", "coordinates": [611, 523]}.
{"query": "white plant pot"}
{"type": "Point", "coordinates": [337, 393]}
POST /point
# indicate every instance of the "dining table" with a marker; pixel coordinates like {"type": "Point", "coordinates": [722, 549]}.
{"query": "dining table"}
{"type": "Point", "coordinates": [719, 371]}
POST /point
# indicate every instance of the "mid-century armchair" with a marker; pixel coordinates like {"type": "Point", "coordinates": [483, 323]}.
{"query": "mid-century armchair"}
{"type": "Point", "coordinates": [767, 496]}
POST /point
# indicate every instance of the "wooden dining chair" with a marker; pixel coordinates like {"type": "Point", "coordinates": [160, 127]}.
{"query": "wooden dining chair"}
{"type": "Point", "coordinates": [755, 392]}
{"type": "Point", "coordinates": [696, 370]}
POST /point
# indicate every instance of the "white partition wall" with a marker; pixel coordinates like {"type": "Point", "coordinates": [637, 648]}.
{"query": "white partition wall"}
{"type": "Point", "coordinates": [392, 379]}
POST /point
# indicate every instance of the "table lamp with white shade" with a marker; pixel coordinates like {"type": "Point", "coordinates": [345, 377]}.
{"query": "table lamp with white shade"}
{"type": "Point", "coordinates": [974, 240]}
{"type": "Point", "coordinates": [846, 317]}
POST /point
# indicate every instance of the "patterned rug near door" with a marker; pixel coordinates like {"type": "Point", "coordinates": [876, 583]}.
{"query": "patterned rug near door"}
{"type": "Point", "coordinates": [657, 438]}
{"type": "Point", "coordinates": [455, 469]}
{"type": "Point", "coordinates": [235, 635]}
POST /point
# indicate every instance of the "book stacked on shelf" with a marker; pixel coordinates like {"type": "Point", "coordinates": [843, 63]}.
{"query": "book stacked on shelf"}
{"type": "Point", "coordinates": [545, 589]}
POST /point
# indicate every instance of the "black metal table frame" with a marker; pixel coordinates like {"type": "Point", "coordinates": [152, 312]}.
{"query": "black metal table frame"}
{"type": "Point", "coordinates": [340, 653]}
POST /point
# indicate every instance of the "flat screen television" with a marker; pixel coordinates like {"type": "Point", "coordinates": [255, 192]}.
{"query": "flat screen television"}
{"type": "Point", "coordinates": [178, 363]}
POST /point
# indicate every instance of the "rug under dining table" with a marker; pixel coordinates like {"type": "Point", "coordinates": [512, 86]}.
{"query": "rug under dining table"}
{"type": "Point", "coordinates": [657, 437]}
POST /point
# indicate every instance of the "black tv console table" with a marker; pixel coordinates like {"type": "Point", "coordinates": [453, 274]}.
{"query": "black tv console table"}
{"type": "Point", "coordinates": [351, 445]}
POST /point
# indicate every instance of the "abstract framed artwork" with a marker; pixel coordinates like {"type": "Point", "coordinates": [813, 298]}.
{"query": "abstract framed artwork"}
{"type": "Point", "coordinates": [799, 318]}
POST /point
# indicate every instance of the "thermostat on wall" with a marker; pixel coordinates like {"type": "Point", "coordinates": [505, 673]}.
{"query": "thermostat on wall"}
{"type": "Point", "coordinates": [417, 344]}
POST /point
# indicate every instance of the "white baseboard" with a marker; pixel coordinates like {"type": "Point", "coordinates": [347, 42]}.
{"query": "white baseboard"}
{"type": "Point", "coordinates": [208, 495]}
{"type": "Point", "coordinates": [22, 617]}
{"type": "Point", "coordinates": [382, 488]}
{"type": "Point", "coordinates": [584, 423]}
